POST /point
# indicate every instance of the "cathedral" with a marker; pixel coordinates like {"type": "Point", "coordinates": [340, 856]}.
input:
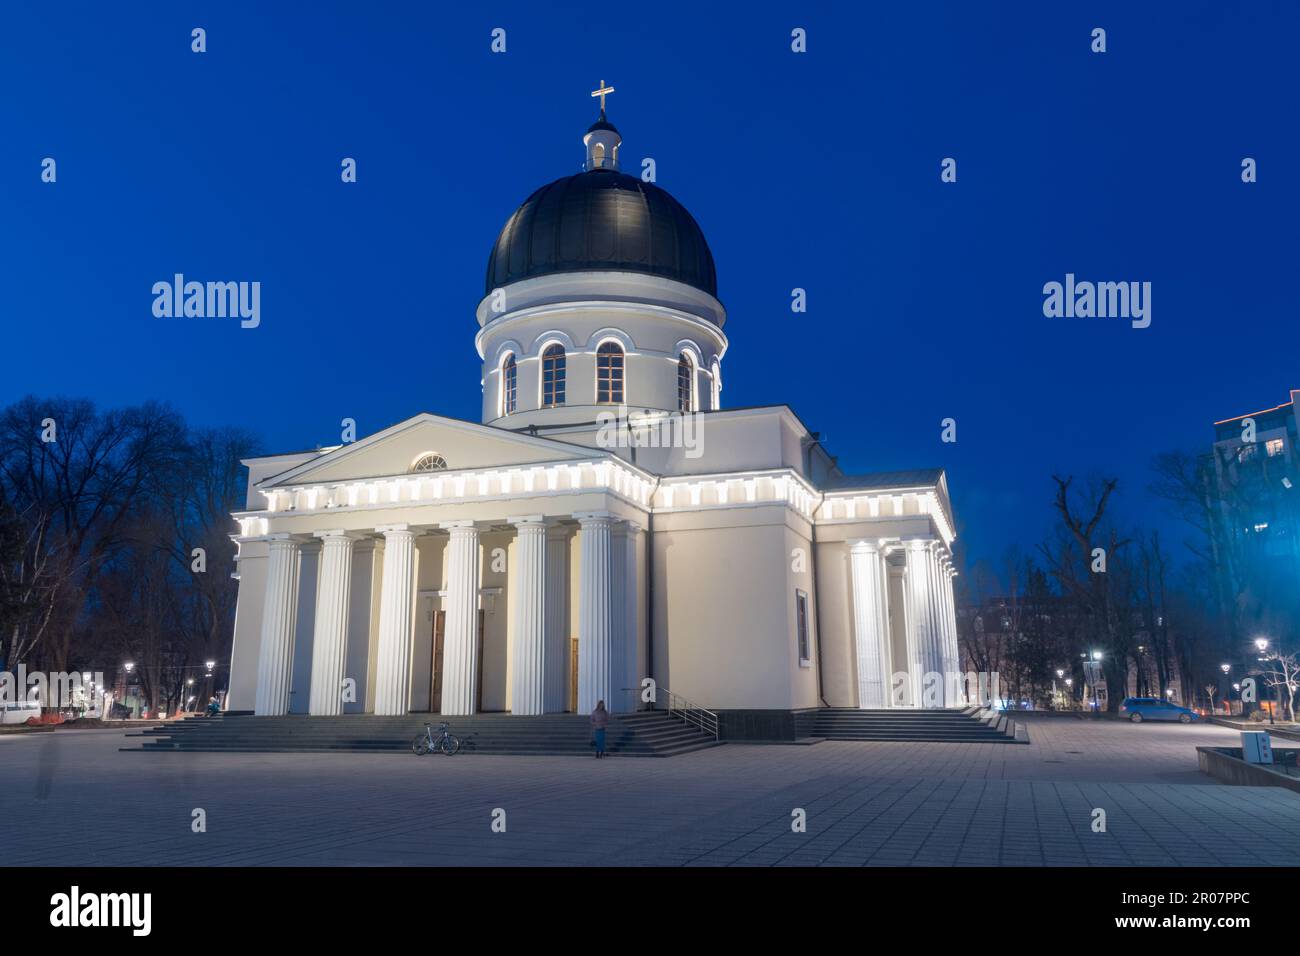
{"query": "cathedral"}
{"type": "Point", "coordinates": [608, 530]}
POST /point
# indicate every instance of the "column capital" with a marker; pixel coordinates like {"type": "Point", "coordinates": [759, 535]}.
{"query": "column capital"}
{"type": "Point", "coordinates": [626, 525]}
{"type": "Point", "coordinates": [523, 521]}
{"type": "Point", "coordinates": [593, 517]}
{"type": "Point", "coordinates": [284, 538]}
{"type": "Point", "coordinates": [387, 529]}
{"type": "Point", "coordinates": [463, 525]}
{"type": "Point", "coordinates": [336, 534]}
{"type": "Point", "coordinates": [866, 545]}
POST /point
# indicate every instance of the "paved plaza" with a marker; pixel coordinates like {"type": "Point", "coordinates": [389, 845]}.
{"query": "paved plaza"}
{"type": "Point", "coordinates": [71, 798]}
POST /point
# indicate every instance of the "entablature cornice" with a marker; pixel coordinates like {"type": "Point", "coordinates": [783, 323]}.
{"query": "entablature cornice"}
{"type": "Point", "coordinates": [842, 507]}
{"type": "Point", "coordinates": [920, 510]}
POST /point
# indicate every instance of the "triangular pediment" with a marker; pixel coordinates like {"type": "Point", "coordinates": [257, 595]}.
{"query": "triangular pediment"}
{"type": "Point", "coordinates": [461, 444]}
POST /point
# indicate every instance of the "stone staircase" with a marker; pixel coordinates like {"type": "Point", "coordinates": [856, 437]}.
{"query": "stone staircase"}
{"type": "Point", "coordinates": [643, 734]}
{"type": "Point", "coordinates": [945, 725]}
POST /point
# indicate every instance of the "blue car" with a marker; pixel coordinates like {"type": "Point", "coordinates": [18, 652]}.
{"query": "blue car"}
{"type": "Point", "coordinates": [1138, 709]}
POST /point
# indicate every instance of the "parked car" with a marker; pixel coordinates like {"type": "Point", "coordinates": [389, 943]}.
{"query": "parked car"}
{"type": "Point", "coordinates": [1138, 709]}
{"type": "Point", "coordinates": [18, 711]}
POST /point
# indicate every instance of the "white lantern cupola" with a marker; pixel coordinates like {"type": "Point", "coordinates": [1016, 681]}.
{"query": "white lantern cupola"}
{"type": "Point", "coordinates": [602, 139]}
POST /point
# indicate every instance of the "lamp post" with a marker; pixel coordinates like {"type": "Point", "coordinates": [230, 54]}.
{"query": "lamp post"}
{"type": "Point", "coordinates": [1225, 668]}
{"type": "Point", "coordinates": [1261, 643]}
{"type": "Point", "coordinates": [128, 668]}
{"type": "Point", "coordinates": [1096, 679]}
{"type": "Point", "coordinates": [210, 677]}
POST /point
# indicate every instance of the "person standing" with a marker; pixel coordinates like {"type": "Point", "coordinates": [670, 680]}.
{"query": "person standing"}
{"type": "Point", "coordinates": [599, 721]}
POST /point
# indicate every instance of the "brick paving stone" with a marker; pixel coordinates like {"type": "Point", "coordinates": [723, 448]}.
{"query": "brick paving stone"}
{"type": "Point", "coordinates": [70, 798]}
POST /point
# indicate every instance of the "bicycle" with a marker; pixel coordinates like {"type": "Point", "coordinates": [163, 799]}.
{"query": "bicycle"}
{"type": "Point", "coordinates": [444, 742]}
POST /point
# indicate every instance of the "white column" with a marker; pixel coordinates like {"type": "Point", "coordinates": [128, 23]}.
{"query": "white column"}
{"type": "Point", "coordinates": [595, 622]}
{"type": "Point", "coordinates": [958, 664]}
{"type": "Point", "coordinates": [460, 640]}
{"type": "Point", "coordinates": [396, 621]}
{"type": "Point", "coordinates": [935, 647]}
{"type": "Point", "coordinates": [870, 625]}
{"type": "Point", "coordinates": [528, 657]}
{"type": "Point", "coordinates": [918, 617]}
{"type": "Point", "coordinates": [330, 642]}
{"type": "Point", "coordinates": [896, 663]}
{"type": "Point", "coordinates": [633, 673]}
{"type": "Point", "coordinates": [279, 620]}
{"type": "Point", "coordinates": [940, 641]}
{"type": "Point", "coordinates": [623, 666]}
{"type": "Point", "coordinates": [557, 634]}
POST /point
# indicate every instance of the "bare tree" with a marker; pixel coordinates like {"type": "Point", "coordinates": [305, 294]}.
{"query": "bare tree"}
{"type": "Point", "coordinates": [1083, 572]}
{"type": "Point", "coordinates": [1282, 673]}
{"type": "Point", "coordinates": [74, 475]}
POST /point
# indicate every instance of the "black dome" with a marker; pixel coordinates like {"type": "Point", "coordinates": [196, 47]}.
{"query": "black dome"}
{"type": "Point", "coordinates": [602, 219]}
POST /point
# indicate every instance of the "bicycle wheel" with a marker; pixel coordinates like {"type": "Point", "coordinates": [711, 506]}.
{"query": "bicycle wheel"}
{"type": "Point", "coordinates": [420, 745]}
{"type": "Point", "coordinates": [449, 744]}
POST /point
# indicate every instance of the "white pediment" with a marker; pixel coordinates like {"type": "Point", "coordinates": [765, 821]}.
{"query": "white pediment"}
{"type": "Point", "coordinates": [461, 444]}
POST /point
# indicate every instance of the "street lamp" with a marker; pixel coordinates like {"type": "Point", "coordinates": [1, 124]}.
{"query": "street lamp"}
{"type": "Point", "coordinates": [1261, 643]}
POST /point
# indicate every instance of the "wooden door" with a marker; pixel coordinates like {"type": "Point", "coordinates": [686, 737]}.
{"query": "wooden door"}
{"type": "Point", "coordinates": [439, 627]}
{"type": "Point", "coordinates": [573, 675]}
{"type": "Point", "coordinates": [478, 650]}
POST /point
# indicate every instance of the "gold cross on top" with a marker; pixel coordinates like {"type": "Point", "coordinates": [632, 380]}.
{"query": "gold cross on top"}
{"type": "Point", "coordinates": [603, 92]}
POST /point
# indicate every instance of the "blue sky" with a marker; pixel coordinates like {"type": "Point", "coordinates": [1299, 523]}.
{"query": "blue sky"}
{"type": "Point", "coordinates": [819, 171]}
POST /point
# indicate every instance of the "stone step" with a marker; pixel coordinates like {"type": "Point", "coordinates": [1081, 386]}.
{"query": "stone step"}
{"type": "Point", "coordinates": [949, 725]}
{"type": "Point", "coordinates": [648, 734]}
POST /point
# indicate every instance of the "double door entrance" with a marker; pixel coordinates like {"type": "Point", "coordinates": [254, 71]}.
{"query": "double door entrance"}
{"type": "Point", "coordinates": [434, 703]}
{"type": "Point", "coordinates": [426, 692]}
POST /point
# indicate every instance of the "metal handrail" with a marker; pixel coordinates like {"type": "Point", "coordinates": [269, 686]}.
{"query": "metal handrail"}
{"type": "Point", "coordinates": [691, 713]}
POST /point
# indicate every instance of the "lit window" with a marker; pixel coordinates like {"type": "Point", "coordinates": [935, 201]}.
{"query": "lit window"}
{"type": "Point", "coordinates": [1246, 451]}
{"type": "Point", "coordinates": [801, 613]}
{"type": "Point", "coordinates": [553, 368]}
{"type": "Point", "coordinates": [429, 462]}
{"type": "Point", "coordinates": [685, 384]}
{"type": "Point", "coordinates": [509, 381]}
{"type": "Point", "coordinates": [1273, 446]}
{"type": "Point", "coordinates": [609, 374]}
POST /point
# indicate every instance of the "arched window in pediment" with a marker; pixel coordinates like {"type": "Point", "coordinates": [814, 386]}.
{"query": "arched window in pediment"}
{"type": "Point", "coordinates": [429, 461]}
